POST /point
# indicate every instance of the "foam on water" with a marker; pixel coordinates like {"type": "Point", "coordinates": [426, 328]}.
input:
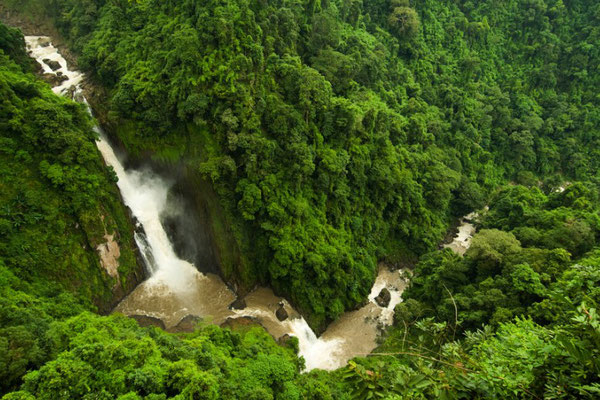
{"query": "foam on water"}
{"type": "Point", "coordinates": [319, 353]}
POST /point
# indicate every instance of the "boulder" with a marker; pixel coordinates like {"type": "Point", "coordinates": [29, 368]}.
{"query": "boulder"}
{"type": "Point", "coordinates": [383, 298]}
{"type": "Point", "coordinates": [79, 97]}
{"type": "Point", "coordinates": [54, 79]}
{"type": "Point", "coordinates": [238, 304]}
{"type": "Point", "coordinates": [187, 324]}
{"type": "Point", "coordinates": [54, 65]}
{"type": "Point", "coordinates": [44, 42]}
{"type": "Point", "coordinates": [281, 313]}
{"type": "Point", "coordinates": [38, 67]}
{"type": "Point", "coordinates": [71, 91]}
{"type": "Point", "coordinates": [146, 320]}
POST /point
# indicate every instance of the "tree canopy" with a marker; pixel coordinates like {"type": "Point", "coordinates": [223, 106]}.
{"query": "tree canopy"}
{"type": "Point", "coordinates": [335, 134]}
{"type": "Point", "coordinates": [339, 132]}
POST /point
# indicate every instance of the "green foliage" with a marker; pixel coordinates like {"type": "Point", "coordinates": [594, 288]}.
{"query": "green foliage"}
{"type": "Point", "coordinates": [404, 21]}
{"type": "Point", "coordinates": [496, 281]}
{"type": "Point", "coordinates": [57, 201]}
{"type": "Point", "coordinates": [113, 356]}
{"type": "Point", "coordinates": [26, 312]}
{"type": "Point", "coordinates": [566, 219]}
{"type": "Point", "coordinates": [345, 131]}
{"type": "Point", "coordinates": [505, 321]}
{"type": "Point", "coordinates": [341, 131]}
{"type": "Point", "coordinates": [335, 133]}
{"type": "Point", "coordinates": [521, 359]}
{"type": "Point", "coordinates": [365, 383]}
{"type": "Point", "coordinates": [12, 44]}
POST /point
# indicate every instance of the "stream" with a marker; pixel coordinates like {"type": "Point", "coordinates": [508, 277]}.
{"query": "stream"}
{"type": "Point", "coordinates": [176, 288]}
{"type": "Point", "coordinates": [466, 229]}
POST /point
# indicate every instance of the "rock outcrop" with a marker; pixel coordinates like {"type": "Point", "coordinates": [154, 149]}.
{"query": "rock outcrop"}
{"type": "Point", "coordinates": [54, 65]}
{"type": "Point", "coordinates": [281, 313]}
{"type": "Point", "coordinates": [109, 253]}
{"type": "Point", "coordinates": [54, 79]}
{"type": "Point", "coordinates": [146, 320]}
{"type": "Point", "coordinates": [238, 304]}
{"type": "Point", "coordinates": [234, 323]}
{"type": "Point", "coordinates": [284, 339]}
{"type": "Point", "coordinates": [187, 324]}
{"type": "Point", "coordinates": [383, 298]}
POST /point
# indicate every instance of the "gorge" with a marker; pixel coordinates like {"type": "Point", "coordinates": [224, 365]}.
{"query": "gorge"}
{"type": "Point", "coordinates": [175, 288]}
{"type": "Point", "coordinates": [298, 199]}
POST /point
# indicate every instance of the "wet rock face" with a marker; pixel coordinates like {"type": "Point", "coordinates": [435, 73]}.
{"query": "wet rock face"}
{"type": "Point", "coordinates": [187, 228]}
{"type": "Point", "coordinates": [383, 298]}
{"type": "Point", "coordinates": [54, 65]}
{"type": "Point", "coordinates": [145, 257]}
{"type": "Point", "coordinates": [281, 314]}
{"type": "Point", "coordinates": [238, 304]}
{"type": "Point", "coordinates": [145, 320]}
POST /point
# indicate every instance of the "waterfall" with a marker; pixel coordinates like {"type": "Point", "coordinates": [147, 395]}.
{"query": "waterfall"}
{"type": "Point", "coordinates": [176, 288]}
{"type": "Point", "coordinates": [317, 353]}
{"type": "Point", "coordinates": [146, 195]}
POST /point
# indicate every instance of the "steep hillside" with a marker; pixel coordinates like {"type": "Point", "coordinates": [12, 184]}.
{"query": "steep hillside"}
{"type": "Point", "coordinates": [339, 132]}
{"type": "Point", "coordinates": [59, 207]}
{"type": "Point", "coordinates": [328, 134]}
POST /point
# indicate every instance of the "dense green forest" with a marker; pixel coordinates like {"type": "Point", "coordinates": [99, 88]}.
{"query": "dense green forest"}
{"type": "Point", "coordinates": [522, 303]}
{"type": "Point", "coordinates": [335, 133]}
{"type": "Point", "coordinates": [57, 201]}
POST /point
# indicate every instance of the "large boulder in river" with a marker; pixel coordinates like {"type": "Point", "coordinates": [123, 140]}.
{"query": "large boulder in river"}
{"type": "Point", "coordinates": [71, 92]}
{"type": "Point", "coordinates": [281, 313]}
{"type": "Point", "coordinates": [238, 304]}
{"type": "Point", "coordinates": [44, 41]}
{"type": "Point", "coordinates": [146, 320]}
{"type": "Point", "coordinates": [54, 79]}
{"type": "Point", "coordinates": [383, 298]}
{"type": "Point", "coordinates": [54, 65]}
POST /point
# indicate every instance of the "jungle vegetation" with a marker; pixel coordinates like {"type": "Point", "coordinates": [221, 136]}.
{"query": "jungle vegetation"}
{"type": "Point", "coordinates": [338, 133]}
{"type": "Point", "coordinates": [335, 133]}
{"type": "Point", "coordinates": [57, 202]}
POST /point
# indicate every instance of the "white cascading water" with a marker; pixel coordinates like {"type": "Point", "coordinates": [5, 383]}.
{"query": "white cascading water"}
{"type": "Point", "coordinates": [176, 288]}
{"type": "Point", "coordinates": [462, 240]}
{"type": "Point", "coordinates": [41, 49]}
{"type": "Point", "coordinates": [146, 195]}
